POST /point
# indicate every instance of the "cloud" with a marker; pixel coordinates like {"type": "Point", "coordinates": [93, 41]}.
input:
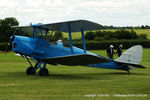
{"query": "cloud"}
{"type": "Point", "coordinates": [106, 12]}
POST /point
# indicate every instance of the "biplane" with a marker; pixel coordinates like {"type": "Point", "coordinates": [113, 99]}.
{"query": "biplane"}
{"type": "Point", "coordinates": [38, 48]}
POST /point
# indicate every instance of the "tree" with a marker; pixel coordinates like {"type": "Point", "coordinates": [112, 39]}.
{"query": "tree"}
{"type": "Point", "coordinates": [58, 35]}
{"type": "Point", "coordinates": [5, 28]}
{"type": "Point", "coordinates": [142, 27]}
{"type": "Point", "coordinates": [133, 34]}
{"type": "Point", "coordinates": [147, 27]}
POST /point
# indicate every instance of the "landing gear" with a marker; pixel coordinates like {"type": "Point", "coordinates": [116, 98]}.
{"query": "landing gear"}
{"type": "Point", "coordinates": [43, 72]}
{"type": "Point", "coordinates": [30, 71]}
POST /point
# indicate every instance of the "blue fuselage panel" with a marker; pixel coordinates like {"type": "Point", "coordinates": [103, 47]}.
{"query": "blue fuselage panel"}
{"type": "Point", "coordinates": [40, 49]}
{"type": "Point", "coordinates": [110, 65]}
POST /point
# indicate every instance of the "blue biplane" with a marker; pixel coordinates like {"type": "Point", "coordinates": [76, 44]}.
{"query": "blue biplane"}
{"type": "Point", "coordinates": [42, 52]}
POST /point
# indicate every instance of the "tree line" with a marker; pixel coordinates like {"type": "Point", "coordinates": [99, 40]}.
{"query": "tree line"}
{"type": "Point", "coordinates": [127, 27]}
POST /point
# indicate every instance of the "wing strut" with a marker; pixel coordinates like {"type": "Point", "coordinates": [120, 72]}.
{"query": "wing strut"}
{"type": "Point", "coordinates": [50, 35]}
{"type": "Point", "coordinates": [83, 40]}
{"type": "Point", "coordinates": [21, 33]}
{"type": "Point", "coordinates": [70, 37]}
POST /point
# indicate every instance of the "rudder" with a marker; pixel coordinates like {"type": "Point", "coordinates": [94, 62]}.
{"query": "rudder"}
{"type": "Point", "coordinates": [132, 56]}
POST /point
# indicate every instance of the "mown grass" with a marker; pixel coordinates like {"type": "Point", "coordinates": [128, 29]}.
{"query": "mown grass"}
{"type": "Point", "coordinates": [138, 31]}
{"type": "Point", "coordinates": [143, 31]}
{"type": "Point", "coordinates": [71, 83]}
{"type": "Point", "coordinates": [77, 35]}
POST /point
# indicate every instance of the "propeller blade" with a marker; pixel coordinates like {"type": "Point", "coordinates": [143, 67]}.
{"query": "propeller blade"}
{"type": "Point", "coordinates": [10, 42]}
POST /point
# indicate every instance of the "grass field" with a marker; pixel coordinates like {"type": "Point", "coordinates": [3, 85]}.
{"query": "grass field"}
{"type": "Point", "coordinates": [138, 31]}
{"type": "Point", "coordinates": [72, 83]}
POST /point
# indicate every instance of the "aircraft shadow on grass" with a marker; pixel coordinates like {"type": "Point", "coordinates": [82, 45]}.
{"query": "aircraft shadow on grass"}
{"type": "Point", "coordinates": [85, 76]}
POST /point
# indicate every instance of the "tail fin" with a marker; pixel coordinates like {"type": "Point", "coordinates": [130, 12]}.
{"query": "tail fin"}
{"type": "Point", "coordinates": [132, 56]}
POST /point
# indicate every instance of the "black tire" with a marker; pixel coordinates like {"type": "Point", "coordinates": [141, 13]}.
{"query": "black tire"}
{"type": "Point", "coordinates": [43, 72]}
{"type": "Point", "coordinates": [30, 71]}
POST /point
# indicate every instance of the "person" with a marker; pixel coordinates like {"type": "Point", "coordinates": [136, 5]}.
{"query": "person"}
{"type": "Point", "coordinates": [119, 50]}
{"type": "Point", "coordinates": [110, 51]}
{"type": "Point", "coordinates": [60, 43]}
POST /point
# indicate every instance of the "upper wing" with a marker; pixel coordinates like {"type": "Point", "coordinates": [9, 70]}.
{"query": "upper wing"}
{"type": "Point", "coordinates": [74, 60]}
{"type": "Point", "coordinates": [75, 26]}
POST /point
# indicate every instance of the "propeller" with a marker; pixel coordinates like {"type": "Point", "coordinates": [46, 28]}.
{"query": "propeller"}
{"type": "Point", "coordinates": [10, 42]}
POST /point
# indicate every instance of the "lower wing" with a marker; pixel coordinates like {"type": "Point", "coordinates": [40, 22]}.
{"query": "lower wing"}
{"type": "Point", "coordinates": [74, 60]}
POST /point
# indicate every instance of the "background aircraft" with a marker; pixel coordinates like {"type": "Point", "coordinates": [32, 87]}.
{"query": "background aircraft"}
{"type": "Point", "coordinates": [42, 52]}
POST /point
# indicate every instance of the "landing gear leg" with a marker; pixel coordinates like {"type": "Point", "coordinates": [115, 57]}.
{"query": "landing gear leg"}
{"type": "Point", "coordinates": [31, 70]}
{"type": "Point", "coordinates": [43, 71]}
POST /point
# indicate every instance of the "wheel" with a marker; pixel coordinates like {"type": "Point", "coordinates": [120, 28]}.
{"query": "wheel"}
{"type": "Point", "coordinates": [43, 72]}
{"type": "Point", "coordinates": [30, 71]}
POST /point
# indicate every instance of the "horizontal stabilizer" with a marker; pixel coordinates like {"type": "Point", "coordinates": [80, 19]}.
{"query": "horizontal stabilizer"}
{"type": "Point", "coordinates": [74, 60]}
{"type": "Point", "coordinates": [133, 65]}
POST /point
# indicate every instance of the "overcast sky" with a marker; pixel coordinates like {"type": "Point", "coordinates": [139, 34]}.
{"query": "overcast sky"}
{"type": "Point", "coordinates": [105, 12]}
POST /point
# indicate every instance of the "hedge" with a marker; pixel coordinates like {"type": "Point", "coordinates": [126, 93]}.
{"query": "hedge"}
{"type": "Point", "coordinates": [3, 46]}
{"type": "Point", "coordinates": [95, 45]}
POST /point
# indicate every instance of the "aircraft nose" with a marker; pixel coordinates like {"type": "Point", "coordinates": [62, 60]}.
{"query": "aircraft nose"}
{"type": "Point", "coordinates": [12, 38]}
